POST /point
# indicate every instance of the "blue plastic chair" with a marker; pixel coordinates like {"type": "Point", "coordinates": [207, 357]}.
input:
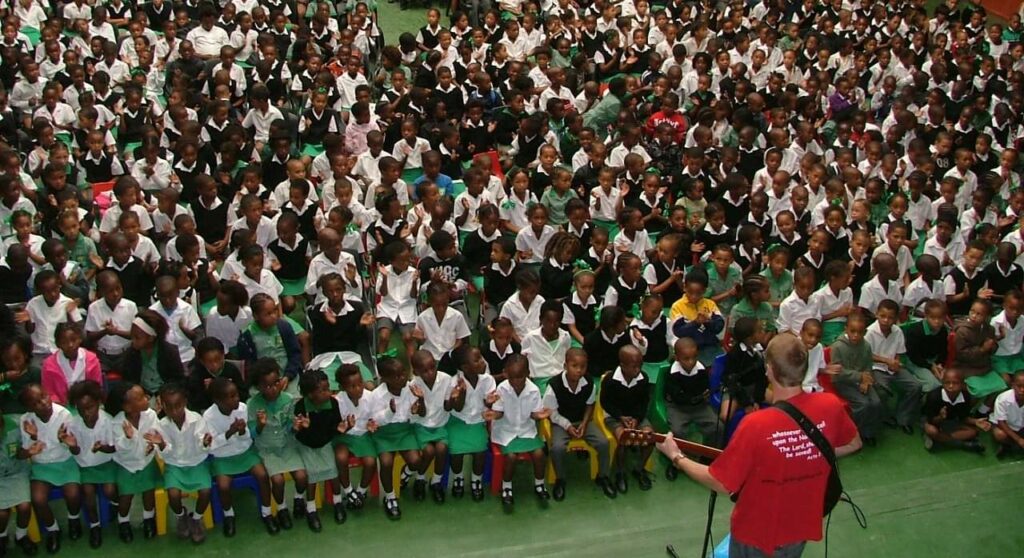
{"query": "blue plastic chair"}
{"type": "Point", "coordinates": [245, 480]}
{"type": "Point", "coordinates": [102, 504]}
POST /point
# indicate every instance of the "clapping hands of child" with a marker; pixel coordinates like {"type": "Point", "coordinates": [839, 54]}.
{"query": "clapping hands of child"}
{"type": "Point", "coordinates": [237, 427]}
{"type": "Point", "coordinates": [261, 418]}
{"type": "Point", "coordinates": [866, 381]}
{"type": "Point", "coordinates": [347, 424]}
{"type": "Point", "coordinates": [154, 440]}
{"type": "Point", "coordinates": [128, 429]}
{"type": "Point", "coordinates": [67, 438]}
{"type": "Point", "coordinates": [30, 428]}
{"type": "Point", "coordinates": [300, 422]}
{"type": "Point", "coordinates": [366, 320]}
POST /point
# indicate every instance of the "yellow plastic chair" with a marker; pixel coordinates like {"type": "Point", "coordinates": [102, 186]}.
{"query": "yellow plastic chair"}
{"type": "Point", "coordinates": [574, 446]}
{"type": "Point", "coordinates": [613, 443]}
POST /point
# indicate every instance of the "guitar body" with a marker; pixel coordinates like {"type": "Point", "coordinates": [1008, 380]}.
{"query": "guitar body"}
{"type": "Point", "coordinates": [639, 437]}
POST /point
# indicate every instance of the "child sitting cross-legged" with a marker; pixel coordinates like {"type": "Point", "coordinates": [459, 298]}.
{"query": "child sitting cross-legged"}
{"type": "Point", "coordinates": [570, 398]}
{"type": "Point", "coordinates": [947, 416]}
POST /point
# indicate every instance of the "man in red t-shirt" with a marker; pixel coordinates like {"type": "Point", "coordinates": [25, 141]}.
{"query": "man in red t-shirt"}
{"type": "Point", "coordinates": [779, 472]}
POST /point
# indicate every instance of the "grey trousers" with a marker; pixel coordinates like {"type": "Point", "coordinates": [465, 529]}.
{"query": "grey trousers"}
{"type": "Point", "coordinates": [907, 393]}
{"type": "Point", "coordinates": [593, 436]}
{"type": "Point", "coordinates": [680, 417]}
{"type": "Point", "coordinates": [740, 550]}
{"type": "Point", "coordinates": [867, 407]}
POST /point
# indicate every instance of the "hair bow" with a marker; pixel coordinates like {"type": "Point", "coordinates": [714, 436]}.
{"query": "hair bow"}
{"type": "Point", "coordinates": [390, 353]}
{"type": "Point", "coordinates": [773, 247]}
{"type": "Point", "coordinates": [581, 265]}
{"type": "Point", "coordinates": [634, 311]}
{"type": "Point", "coordinates": [352, 228]}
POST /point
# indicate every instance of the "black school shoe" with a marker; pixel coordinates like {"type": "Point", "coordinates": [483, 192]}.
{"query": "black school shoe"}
{"type": "Point", "coordinates": [340, 515]}
{"type": "Point", "coordinates": [476, 490]}
{"type": "Point", "coordinates": [606, 486]}
{"type": "Point", "coordinates": [125, 533]}
{"type": "Point", "coordinates": [419, 490]}
{"type": "Point", "coordinates": [458, 487]}
{"type": "Point", "coordinates": [313, 520]}
{"type": "Point", "coordinates": [558, 490]}
{"type": "Point", "coordinates": [437, 491]}
{"type": "Point", "coordinates": [74, 529]}
{"type": "Point", "coordinates": [671, 473]}
{"type": "Point", "coordinates": [507, 499]}
{"type": "Point", "coordinates": [542, 492]}
{"type": "Point", "coordinates": [391, 509]}
{"type": "Point", "coordinates": [95, 537]}
{"type": "Point", "coordinates": [643, 479]}
{"type": "Point", "coordinates": [149, 528]}
{"type": "Point", "coordinates": [271, 524]}
{"type": "Point", "coordinates": [53, 542]}
{"type": "Point", "coordinates": [354, 500]}
{"type": "Point", "coordinates": [621, 485]}
{"type": "Point", "coordinates": [298, 508]}
{"type": "Point", "coordinates": [284, 519]}
{"type": "Point", "coordinates": [229, 526]}
{"type": "Point", "coordinates": [27, 546]}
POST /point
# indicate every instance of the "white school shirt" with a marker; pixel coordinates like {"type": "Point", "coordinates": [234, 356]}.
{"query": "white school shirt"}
{"type": "Point", "coordinates": [23, 204]}
{"type": "Point", "coordinates": [528, 241]}
{"type": "Point", "coordinates": [513, 210]}
{"type": "Point", "coordinates": [121, 315]}
{"type": "Point", "coordinates": [550, 400]}
{"type": "Point", "coordinates": [815, 363]}
{"type": "Point", "coordinates": [1007, 409]}
{"type": "Point", "coordinates": [413, 154]}
{"type": "Point", "coordinates": [919, 212]}
{"type": "Point", "coordinates": [113, 215]}
{"type": "Point", "coordinates": [794, 311]}
{"type": "Point", "coordinates": [919, 291]}
{"type": "Point", "coordinates": [218, 424]}
{"type": "Point", "coordinates": [54, 451]}
{"type": "Point", "coordinates": [362, 411]}
{"type": "Point", "coordinates": [268, 284]}
{"type": "Point", "coordinates": [950, 283]}
{"type": "Point", "coordinates": [208, 42]}
{"type": "Point", "coordinates": [472, 223]}
{"type": "Point", "coordinates": [171, 249]}
{"type": "Point", "coordinates": [904, 259]}
{"type": "Point", "coordinates": [888, 346]}
{"type": "Point", "coordinates": [380, 405]}
{"type": "Point", "coordinates": [160, 179]}
{"type": "Point", "coordinates": [546, 358]}
{"type": "Point", "coordinates": [954, 249]}
{"type": "Point", "coordinates": [46, 318]}
{"type": "Point", "coordinates": [130, 453]}
{"type": "Point", "coordinates": [969, 218]}
{"type": "Point", "coordinates": [321, 266]}
{"type": "Point", "coordinates": [434, 399]}
{"type": "Point", "coordinates": [617, 157]}
{"type": "Point", "coordinates": [185, 446]}
{"type": "Point", "coordinates": [523, 319]}
{"type": "Point", "coordinates": [165, 224]}
{"type": "Point", "coordinates": [1017, 239]}
{"type": "Point", "coordinates": [640, 245]}
{"type": "Point", "coordinates": [226, 328]}
{"type": "Point", "coordinates": [828, 301]}
{"type": "Point", "coordinates": [441, 337]}
{"type": "Point", "coordinates": [1013, 335]}
{"type": "Point", "coordinates": [421, 246]}
{"type": "Point", "coordinates": [61, 116]}
{"type": "Point", "coordinates": [266, 232]}
{"type": "Point", "coordinates": [873, 292]}
{"type": "Point", "coordinates": [86, 437]}
{"type": "Point", "coordinates": [145, 251]}
{"type": "Point", "coordinates": [473, 407]}
{"type": "Point", "coordinates": [181, 311]}
{"type": "Point", "coordinates": [969, 183]}
{"type": "Point", "coordinates": [399, 304]}
{"type": "Point", "coordinates": [261, 121]}
{"type": "Point", "coordinates": [516, 409]}
{"type": "Point", "coordinates": [603, 204]}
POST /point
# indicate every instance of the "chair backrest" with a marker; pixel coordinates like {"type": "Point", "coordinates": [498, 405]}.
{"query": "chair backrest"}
{"type": "Point", "coordinates": [240, 364]}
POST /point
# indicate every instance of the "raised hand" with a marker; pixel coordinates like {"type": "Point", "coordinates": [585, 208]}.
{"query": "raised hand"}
{"type": "Point", "coordinates": [261, 418]}
{"type": "Point", "coordinates": [154, 437]}
{"type": "Point", "coordinates": [67, 438]}
{"type": "Point", "coordinates": [492, 397]}
{"type": "Point", "coordinates": [30, 428]}
{"type": "Point", "coordinates": [129, 430]}
{"type": "Point", "coordinates": [207, 440]}
{"type": "Point", "coordinates": [416, 391]}
{"type": "Point", "coordinates": [371, 426]}
{"type": "Point", "coordinates": [300, 422]}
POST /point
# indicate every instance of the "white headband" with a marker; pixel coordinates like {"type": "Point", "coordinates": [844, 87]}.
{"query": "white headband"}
{"type": "Point", "coordinates": [146, 328]}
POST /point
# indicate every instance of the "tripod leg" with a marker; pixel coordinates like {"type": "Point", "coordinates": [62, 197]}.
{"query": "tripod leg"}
{"type": "Point", "coordinates": [671, 550]}
{"type": "Point", "coordinates": [707, 529]}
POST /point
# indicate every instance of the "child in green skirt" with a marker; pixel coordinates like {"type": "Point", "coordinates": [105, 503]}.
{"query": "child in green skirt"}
{"type": "Point", "coordinates": [270, 419]}
{"type": "Point", "coordinates": [233, 453]}
{"type": "Point", "coordinates": [45, 439]}
{"type": "Point", "coordinates": [467, 431]}
{"type": "Point", "coordinates": [392, 403]}
{"type": "Point", "coordinates": [316, 422]}
{"type": "Point", "coordinates": [185, 463]}
{"type": "Point", "coordinates": [514, 409]}
{"type": "Point", "coordinates": [433, 388]}
{"type": "Point", "coordinates": [354, 407]}
{"type": "Point", "coordinates": [14, 486]}
{"type": "Point", "coordinates": [137, 441]}
{"type": "Point", "coordinates": [92, 429]}
{"type": "Point", "coordinates": [834, 300]}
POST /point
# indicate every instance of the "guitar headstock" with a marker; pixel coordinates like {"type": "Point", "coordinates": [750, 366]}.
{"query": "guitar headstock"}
{"type": "Point", "coordinates": [637, 438]}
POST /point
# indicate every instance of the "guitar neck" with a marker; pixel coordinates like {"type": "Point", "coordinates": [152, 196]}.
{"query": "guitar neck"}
{"type": "Point", "coordinates": [691, 448]}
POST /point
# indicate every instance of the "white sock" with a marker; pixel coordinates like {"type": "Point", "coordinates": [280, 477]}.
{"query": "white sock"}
{"type": "Point", "coordinates": [122, 518]}
{"type": "Point", "coordinates": [300, 494]}
{"type": "Point", "coordinates": [229, 512]}
{"type": "Point", "coordinates": [180, 513]}
{"type": "Point", "coordinates": [421, 476]}
{"type": "Point", "coordinates": [20, 533]}
{"type": "Point", "coordinates": [506, 485]}
{"type": "Point", "coordinates": [53, 528]}
{"type": "Point", "coordinates": [93, 525]}
{"type": "Point", "coordinates": [983, 408]}
{"type": "Point", "coordinates": [74, 516]}
{"type": "Point", "coordinates": [538, 482]}
{"type": "Point", "coordinates": [390, 496]}
{"type": "Point", "coordinates": [336, 498]}
{"type": "Point", "coordinates": [264, 511]}
{"type": "Point", "coordinates": [361, 490]}
{"type": "Point", "coordinates": [346, 490]}
{"type": "Point", "coordinates": [477, 478]}
{"type": "Point", "coordinates": [282, 505]}
{"type": "Point", "coordinates": [310, 506]}
{"type": "Point", "coordinates": [436, 479]}
{"type": "Point", "coordinates": [197, 516]}
{"type": "Point", "coordinates": [148, 514]}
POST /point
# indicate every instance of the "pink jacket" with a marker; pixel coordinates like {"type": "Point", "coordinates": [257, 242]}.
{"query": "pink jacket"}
{"type": "Point", "coordinates": [56, 384]}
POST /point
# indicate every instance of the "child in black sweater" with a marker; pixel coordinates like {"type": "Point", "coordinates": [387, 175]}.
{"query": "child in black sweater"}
{"type": "Point", "coordinates": [625, 398]}
{"type": "Point", "coordinates": [501, 346]}
{"type": "Point", "coordinates": [745, 380]}
{"type": "Point", "coordinates": [687, 390]}
{"type": "Point", "coordinates": [317, 422]}
{"type": "Point", "coordinates": [603, 344]}
{"type": "Point", "coordinates": [337, 324]}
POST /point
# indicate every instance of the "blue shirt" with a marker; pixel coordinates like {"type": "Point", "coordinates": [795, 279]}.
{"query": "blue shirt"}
{"type": "Point", "coordinates": [443, 182]}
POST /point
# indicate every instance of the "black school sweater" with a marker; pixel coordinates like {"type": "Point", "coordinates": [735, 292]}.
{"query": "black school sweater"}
{"type": "Point", "coordinates": [570, 405]}
{"type": "Point", "coordinates": [602, 355]}
{"type": "Point", "coordinates": [684, 390]}
{"type": "Point", "coordinates": [620, 401]}
{"type": "Point", "coordinates": [345, 334]}
{"type": "Point", "coordinates": [923, 348]}
{"type": "Point", "coordinates": [323, 422]}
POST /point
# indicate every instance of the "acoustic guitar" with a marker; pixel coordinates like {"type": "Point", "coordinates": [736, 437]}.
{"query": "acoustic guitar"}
{"type": "Point", "coordinates": [641, 438]}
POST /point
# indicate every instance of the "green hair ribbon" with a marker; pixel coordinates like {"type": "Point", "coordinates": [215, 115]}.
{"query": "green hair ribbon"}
{"type": "Point", "coordinates": [390, 353]}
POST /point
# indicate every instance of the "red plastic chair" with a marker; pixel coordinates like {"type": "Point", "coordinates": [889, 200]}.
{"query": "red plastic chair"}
{"type": "Point", "coordinates": [354, 462]}
{"type": "Point", "coordinates": [498, 467]}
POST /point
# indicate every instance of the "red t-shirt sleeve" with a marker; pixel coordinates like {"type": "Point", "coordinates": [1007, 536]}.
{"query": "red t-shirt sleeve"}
{"type": "Point", "coordinates": [845, 430]}
{"type": "Point", "coordinates": [732, 468]}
